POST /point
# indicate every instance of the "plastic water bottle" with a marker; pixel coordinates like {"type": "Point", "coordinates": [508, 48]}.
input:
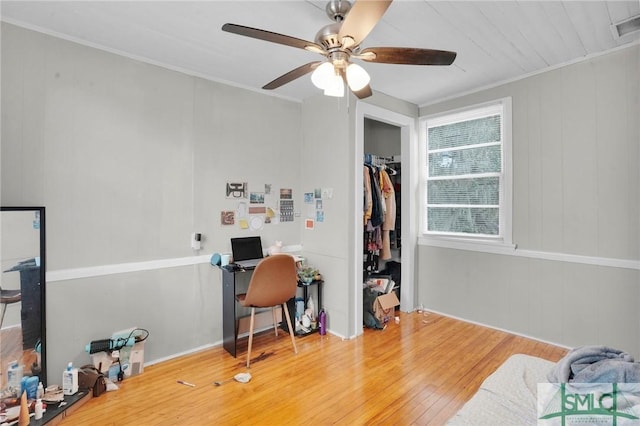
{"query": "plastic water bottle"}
{"type": "Point", "coordinates": [39, 409]}
{"type": "Point", "coordinates": [40, 392]}
{"type": "Point", "coordinates": [322, 320]}
{"type": "Point", "coordinates": [312, 306]}
{"type": "Point", "coordinates": [14, 377]}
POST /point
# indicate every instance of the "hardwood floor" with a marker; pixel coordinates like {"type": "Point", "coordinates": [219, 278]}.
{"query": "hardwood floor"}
{"type": "Point", "coordinates": [420, 371]}
{"type": "Point", "coordinates": [11, 349]}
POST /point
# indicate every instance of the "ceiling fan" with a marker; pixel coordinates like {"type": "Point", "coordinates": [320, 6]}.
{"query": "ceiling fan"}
{"type": "Point", "coordinates": [340, 42]}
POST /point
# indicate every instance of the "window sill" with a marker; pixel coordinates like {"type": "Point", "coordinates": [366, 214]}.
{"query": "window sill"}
{"type": "Point", "coordinates": [485, 246]}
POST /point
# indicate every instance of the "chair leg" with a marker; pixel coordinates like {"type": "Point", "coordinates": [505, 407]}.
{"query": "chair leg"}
{"type": "Point", "coordinates": [4, 309]}
{"type": "Point", "coordinates": [253, 315]}
{"type": "Point", "coordinates": [275, 320]}
{"type": "Point", "coordinates": [293, 339]}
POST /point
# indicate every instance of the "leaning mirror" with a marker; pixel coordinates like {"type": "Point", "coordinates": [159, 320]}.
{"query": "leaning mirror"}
{"type": "Point", "coordinates": [22, 291]}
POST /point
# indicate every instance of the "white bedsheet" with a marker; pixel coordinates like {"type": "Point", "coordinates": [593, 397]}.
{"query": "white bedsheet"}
{"type": "Point", "coordinates": [508, 396]}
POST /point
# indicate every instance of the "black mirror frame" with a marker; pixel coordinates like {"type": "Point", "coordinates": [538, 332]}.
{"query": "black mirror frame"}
{"type": "Point", "coordinates": [43, 280]}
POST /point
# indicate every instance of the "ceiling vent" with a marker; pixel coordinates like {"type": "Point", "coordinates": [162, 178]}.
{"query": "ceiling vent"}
{"type": "Point", "coordinates": [626, 27]}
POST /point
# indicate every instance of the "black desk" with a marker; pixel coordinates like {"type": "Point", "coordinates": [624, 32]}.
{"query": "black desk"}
{"type": "Point", "coordinates": [55, 414]}
{"type": "Point", "coordinates": [234, 279]}
{"type": "Point", "coordinates": [230, 277]}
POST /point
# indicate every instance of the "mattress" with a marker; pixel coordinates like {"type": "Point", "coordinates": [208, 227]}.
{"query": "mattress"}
{"type": "Point", "coordinates": [508, 396]}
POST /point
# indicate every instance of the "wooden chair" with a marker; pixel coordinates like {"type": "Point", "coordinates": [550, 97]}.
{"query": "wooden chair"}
{"type": "Point", "coordinates": [274, 282]}
{"type": "Point", "coordinates": [7, 297]}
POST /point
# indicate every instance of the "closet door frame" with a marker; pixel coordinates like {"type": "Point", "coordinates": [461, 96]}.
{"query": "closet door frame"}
{"type": "Point", "coordinates": [409, 158]}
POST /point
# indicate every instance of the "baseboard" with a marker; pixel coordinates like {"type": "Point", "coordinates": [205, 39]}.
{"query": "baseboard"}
{"type": "Point", "coordinates": [499, 329]}
{"type": "Point", "coordinates": [263, 322]}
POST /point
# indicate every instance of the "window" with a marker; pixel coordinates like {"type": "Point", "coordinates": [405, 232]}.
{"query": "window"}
{"type": "Point", "coordinates": [467, 179]}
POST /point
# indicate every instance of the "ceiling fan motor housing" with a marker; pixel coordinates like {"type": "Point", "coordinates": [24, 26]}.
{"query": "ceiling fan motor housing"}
{"type": "Point", "coordinates": [328, 36]}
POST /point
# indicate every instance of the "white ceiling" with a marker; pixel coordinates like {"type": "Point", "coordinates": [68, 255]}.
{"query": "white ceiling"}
{"type": "Point", "coordinates": [496, 41]}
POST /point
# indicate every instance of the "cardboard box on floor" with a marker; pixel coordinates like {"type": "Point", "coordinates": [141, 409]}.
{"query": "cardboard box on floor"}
{"type": "Point", "coordinates": [384, 307]}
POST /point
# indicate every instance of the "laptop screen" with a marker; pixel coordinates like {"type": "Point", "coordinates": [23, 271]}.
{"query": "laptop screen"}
{"type": "Point", "coordinates": [246, 248]}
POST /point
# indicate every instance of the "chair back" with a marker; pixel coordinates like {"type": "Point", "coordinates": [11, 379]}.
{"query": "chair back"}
{"type": "Point", "coordinates": [274, 281]}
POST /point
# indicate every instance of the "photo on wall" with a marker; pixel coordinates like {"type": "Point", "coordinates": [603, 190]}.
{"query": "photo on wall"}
{"type": "Point", "coordinates": [236, 189]}
{"type": "Point", "coordinates": [286, 193]}
{"type": "Point", "coordinates": [286, 210]}
{"type": "Point", "coordinates": [308, 197]}
{"type": "Point", "coordinates": [256, 197]}
{"type": "Point", "coordinates": [227, 217]}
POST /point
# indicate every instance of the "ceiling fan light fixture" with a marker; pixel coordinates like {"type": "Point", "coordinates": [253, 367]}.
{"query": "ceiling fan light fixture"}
{"type": "Point", "coordinates": [322, 75]}
{"type": "Point", "coordinates": [357, 77]}
{"type": "Point", "coordinates": [326, 77]}
{"type": "Point", "coordinates": [335, 86]}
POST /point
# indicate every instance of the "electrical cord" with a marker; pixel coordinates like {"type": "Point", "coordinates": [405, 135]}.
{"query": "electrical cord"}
{"type": "Point", "coordinates": [121, 342]}
{"type": "Point", "coordinates": [139, 338]}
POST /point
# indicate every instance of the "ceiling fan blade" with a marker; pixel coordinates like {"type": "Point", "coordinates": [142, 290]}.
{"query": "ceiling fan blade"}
{"type": "Point", "coordinates": [363, 16]}
{"type": "Point", "coordinates": [407, 55]}
{"type": "Point", "coordinates": [292, 75]}
{"type": "Point", "coordinates": [272, 37]}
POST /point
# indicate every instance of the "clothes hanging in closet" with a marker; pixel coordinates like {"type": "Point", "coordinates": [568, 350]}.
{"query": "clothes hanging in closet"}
{"type": "Point", "coordinates": [389, 224]}
{"type": "Point", "coordinates": [379, 215]}
{"type": "Point", "coordinates": [368, 198]}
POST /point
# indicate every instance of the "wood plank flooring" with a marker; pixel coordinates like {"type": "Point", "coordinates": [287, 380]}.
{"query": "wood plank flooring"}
{"type": "Point", "coordinates": [420, 371]}
{"type": "Point", "coordinates": [11, 350]}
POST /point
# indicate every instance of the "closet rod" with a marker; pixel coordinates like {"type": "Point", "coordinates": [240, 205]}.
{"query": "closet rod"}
{"type": "Point", "coordinates": [379, 161]}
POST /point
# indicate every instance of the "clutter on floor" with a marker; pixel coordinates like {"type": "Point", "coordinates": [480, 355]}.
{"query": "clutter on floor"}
{"type": "Point", "coordinates": [379, 301]}
{"type": "Point", "coordinates": [112, 360]}
{"type": "Point", "coordinates": [240, 378]}
{"type": "Point", "coordinates": [121, 355]}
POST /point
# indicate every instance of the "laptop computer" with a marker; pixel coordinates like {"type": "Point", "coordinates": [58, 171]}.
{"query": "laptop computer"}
{"type": "Point", "coordinates": [246, 251]}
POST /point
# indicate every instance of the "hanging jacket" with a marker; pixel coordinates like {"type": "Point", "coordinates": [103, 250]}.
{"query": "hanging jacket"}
{"type": "Point", "coordinates": [368, 201]}
{"type": "Point", "coordinates": [377, 211]}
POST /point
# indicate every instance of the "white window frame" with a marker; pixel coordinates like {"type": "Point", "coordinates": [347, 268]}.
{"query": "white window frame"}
{"type": "Point", "coordinates": [496, 244]}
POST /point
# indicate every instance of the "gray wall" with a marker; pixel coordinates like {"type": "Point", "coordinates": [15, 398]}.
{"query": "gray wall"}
{"type": "Point", "coordinates": [327, 245]}
{"type": "Point", "coordinates": [130, 159]}
{"type": "Point", "coordinates": [381, 138]}
{"type": "Point", "coordinates": [574, 279]}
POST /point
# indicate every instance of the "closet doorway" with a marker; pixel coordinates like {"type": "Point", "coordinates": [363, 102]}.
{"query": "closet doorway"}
{"type": "Point", "coordinates": [382, 243]}
{"type": "Point", "coordinates": [405, 155]}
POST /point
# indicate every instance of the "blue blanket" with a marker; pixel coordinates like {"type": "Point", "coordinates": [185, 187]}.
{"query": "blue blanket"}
{"type": "Point", "coordinates": [595, 364]}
